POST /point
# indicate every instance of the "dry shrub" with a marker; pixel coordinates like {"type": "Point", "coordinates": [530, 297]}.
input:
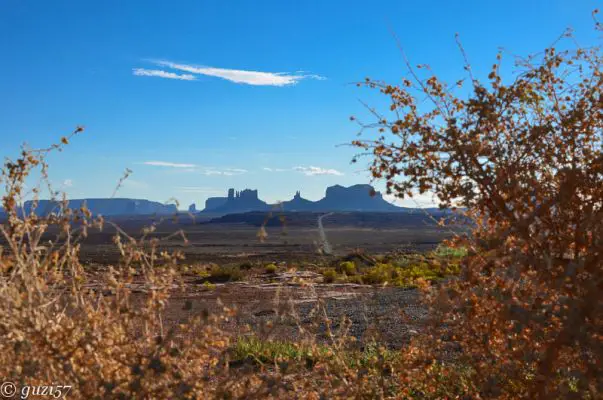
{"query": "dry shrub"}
{"type": "Point", "coordinates": [522, 158]}
{"type": "Point", "coordinates": [60, 327]}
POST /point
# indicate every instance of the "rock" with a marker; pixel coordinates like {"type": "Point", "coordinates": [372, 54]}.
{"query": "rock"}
{"type": "Point", "coordinates": [354, 198]}
{"type": "Point", "coordinates": [105, 207]}
{"type": "Point", "coordinates": [243, 201]}
{"type": "Point", "coordinates": [337, 198]}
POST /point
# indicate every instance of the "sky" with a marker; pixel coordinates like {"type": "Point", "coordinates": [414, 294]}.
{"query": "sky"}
{"type": "Point", "coordinates": [199, 96]}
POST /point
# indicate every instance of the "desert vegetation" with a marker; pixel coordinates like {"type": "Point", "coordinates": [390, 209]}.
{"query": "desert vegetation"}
{"type": "Point", "coordinates": [408, 270]}
{"type": "Point", "coordinates": [523, 157]}
{"type": "Point", "coordinates": [515, 306]}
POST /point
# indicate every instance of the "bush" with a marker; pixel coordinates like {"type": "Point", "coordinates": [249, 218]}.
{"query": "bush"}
{"type": "Point", "coordinates": [522, 159]}
{"type": "Point", "coordinates": [379, 274]}
{"type": "Point", "coordinates": [60, 327]}
{"type": "Point", "coordinates": [208, 285]}
{"type": "Point", "coordinates": [329, 275]}
{"type": "Point", "coordinates": [271, 268]}
{"type": "Point", "coordinates": [450, 252]}
{"type": "Point", "coordinates": [406, 276]}
{"type": "Point", "coordinates": [347, 267]}
{"type": "Point", "coordinates": [247, 265]}
{"type": "Point", "coordinates": [225, 273]}
{"type": "Point", "coordinates": [264, 351]}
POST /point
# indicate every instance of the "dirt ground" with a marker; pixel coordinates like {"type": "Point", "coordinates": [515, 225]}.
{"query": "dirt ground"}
{"type": "Point", "coordinates": [237, 241]}
{"type": "Point", "coordinates": [296, 306]}
{"type": "Point", "coordinates": [276, 306]}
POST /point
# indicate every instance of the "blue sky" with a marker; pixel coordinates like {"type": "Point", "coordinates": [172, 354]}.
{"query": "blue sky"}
{"type": "Point", "coordinates": [199, 96]}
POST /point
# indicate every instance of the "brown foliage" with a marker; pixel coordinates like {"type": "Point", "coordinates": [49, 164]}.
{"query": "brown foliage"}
{"type": "Point", "coordinates": [523, 159]}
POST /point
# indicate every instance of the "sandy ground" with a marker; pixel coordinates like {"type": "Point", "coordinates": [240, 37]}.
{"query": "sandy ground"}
{"type": "Point", "coordinates": [289, 306]}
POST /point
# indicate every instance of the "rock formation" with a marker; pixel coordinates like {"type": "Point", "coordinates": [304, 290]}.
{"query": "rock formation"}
{"type": "Point", "coordinates": [237, 201]}
{"type": "Point", "coordinates": [354, 198]}
{"type": "Point", "coordinates": [337, 198]}
{"type": "Point", "coordinates": [214, 202]}
{"type": "Point", "coordinates": [105, 207]}
{"type": "Point", "coordinates": [298, 203]}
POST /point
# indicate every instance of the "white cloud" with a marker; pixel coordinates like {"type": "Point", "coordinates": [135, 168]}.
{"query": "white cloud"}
{"type": "Point", "coordinates": [224, 172]}
{"type": "Point", "coordinates": [162, 74]}
{"type": "Point", "coordinates": [311, 171]}
{"type": "Point", "coordinates": [184, 167]}
{"type": "Point", "coordinates": [168, 164]}
{"type": "Point", "coordinates": [255, 78]}
{"type": "Point", "coordinates": [68, 183]}
{"type": "Point", "coordinates": [274, 169]}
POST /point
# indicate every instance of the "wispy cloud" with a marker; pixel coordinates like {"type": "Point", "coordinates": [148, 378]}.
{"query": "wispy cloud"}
{"type": "Point", "coordinates": [168, 164]}
{"type": "Point", "coordinates": [205, 170]}
{"type": "Point", "coordinates": [274, 169]}
{"type": "Point", "coordinates": [68, 183]}
{"type": "Point", "coordinates": [162, 74]}
{"type": "Point", "coordinates": [256, 78]}
{"type": "Point", "coordinates": [224, 172]}
{"type": "Point", "coordinates": [312, 171]}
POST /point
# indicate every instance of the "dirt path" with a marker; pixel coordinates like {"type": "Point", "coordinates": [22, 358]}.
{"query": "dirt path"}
{"type": "Point", "coordinates": [326, 246]}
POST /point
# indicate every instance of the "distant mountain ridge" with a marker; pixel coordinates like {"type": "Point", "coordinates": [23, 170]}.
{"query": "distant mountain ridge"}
{"type": "Point", "coordinates": [356, 198]}
{"type": "Point", "coordinates": [105, 207]}
{"type": "Point", "coordinates": [362, 198]}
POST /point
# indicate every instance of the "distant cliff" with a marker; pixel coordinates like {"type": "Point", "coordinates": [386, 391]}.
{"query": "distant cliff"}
{"type": "Point", "coordinates": [337, 198]}
{"type": "Point", "coordinates": [354, 198]}
{"type": "Point", "coordinates": [105, 207]}
{"type": "Point", "coordinates": [298, 204]}
{"type": "Point", "coordinates": [243, 201]}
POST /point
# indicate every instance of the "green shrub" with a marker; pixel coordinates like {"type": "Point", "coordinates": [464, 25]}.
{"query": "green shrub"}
{"type": "Point", "coordinates": [199, 270]}
{"type": "Point", "coordinates": [209, 285]}
{"type": "Point", "coordinates": [407, 275]}
{"type": "Point", "coordinates": [247, 265]}
{"type": "Point", "coordinates": [271, 268]}
{"type": "Point", "coordinates": [380, 273]}
{"type": "Point", "coordinates": [329, 275]}
{"type": "Point", "coordinates": [268, 351]}
{"type": "Point", "coordinates": [348, 268]}
{"type": "Point", "coordinates": [225, 273]}
{"type": "Point", "coordinates": [450, 252]}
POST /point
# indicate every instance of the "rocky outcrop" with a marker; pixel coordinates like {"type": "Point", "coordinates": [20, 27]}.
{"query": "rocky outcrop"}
{"type": "Point", "coordinates": [192, 208]}
{"type": "Point", "coordinates": [337, 198]}
{"type": "Point", "coordinates": [237, 201]}
{"type": "Point", "coordinates": [354, 198]}
{"type": "Point", "coordinates": [105, 207]}
{"type": "Point", "coordinates": [214, 202]}
{"type": "Point", "coordinates": [298, 203]}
